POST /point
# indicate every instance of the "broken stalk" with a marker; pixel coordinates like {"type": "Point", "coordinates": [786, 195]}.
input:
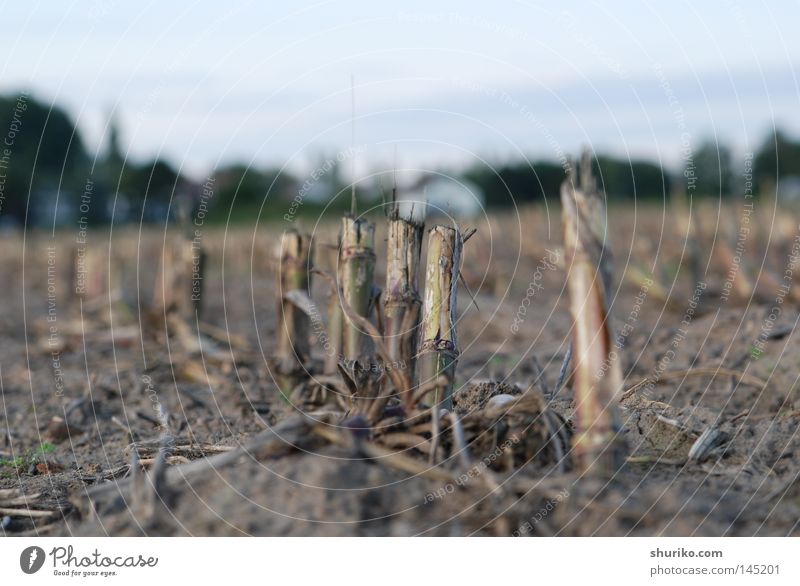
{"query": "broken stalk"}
{"type": "Point", "coordinates": [293, 349]}
{"type": "Point", "coordinates": [401, 300]}
{"type": "Point", "coordinates": [438, 351]}
{"type": "Point", "coordinates": [335, 320]}
{"type": "Point", "coordinates": [356, 268]}
{"type": "Point", "coordinates": [597, 377]}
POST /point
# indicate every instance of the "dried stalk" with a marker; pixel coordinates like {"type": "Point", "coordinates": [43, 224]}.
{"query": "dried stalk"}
{"type": "Point", "coordinates": [401, 300]}
{"type": "Point", "coordinates": [87, 276]}
{"type": "Point", "coordinates": [172, 288]}
{"type": "Point", "coordinates": [742, 286]}
{"type": "Point", "coordinates": [597, 378]}
{"type": "Point", "coordinates": [162, 288]}
{"type": "Point", "coordinates": [291, 434]}
{"type": "Point", "coordinates": [399, 377]}
{"type": "Point", "coordinates": [335, 317]}
{"type": "Point", "coordinates": [439, 348]}
{"type": "Point", "coordinates": [686, 229]}
{"type": "Point", "coordinates": [356, 270]}
{"type": "Point", "coordinates": [384, 456]}
{"type": "Point", "coordinates": [335, 325]}
{"type": "Point", "coordinates": [293, 350]}
{"type": "Point", "coordinates": [742, 377]}
{"type": "Point", "coordinates": [32, 513]}
{"type": "Point", "coordinates": [199, 258]}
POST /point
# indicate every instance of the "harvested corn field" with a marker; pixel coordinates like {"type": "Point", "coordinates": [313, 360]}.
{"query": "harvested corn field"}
{"type": "Point", "coordinates": [376, 378]}
{"type": "Point", "coordinates": [349, 271]}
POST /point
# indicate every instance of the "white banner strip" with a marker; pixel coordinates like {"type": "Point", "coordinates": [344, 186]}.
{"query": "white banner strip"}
{"type": "Point", "coordinates": [390, 561]}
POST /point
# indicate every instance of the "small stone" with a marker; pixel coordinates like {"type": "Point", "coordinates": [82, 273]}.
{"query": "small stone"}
{"type": "Point", "coordinates": [10, 525]}
{"type": "Point", "coordinates": [358, 426]}
{"type": "Point", "coordinates": [500, 401]}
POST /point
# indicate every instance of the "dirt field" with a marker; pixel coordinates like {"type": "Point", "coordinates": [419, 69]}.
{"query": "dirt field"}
{"type": "Point", "coordinates": [714, 354]}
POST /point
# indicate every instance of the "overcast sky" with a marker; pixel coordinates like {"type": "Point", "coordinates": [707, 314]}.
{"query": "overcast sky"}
{"type": "Point", "coordinates": [209, 82]}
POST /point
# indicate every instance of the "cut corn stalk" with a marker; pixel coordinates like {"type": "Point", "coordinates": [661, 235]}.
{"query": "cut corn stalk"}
{"type": "Point", "coordinates": [335, 319]}
{"type": "Point", "coordinates": [294, 325]}
{"type": "Point", "coordinates": [686, 229]}
{"type": "Point", "coordinates": [597, 377]}
{"type": "Point", "coordinates": [163, 292]}
{"type": "Point", "coordinates": [401, 300]}
{"type": "Point", "coordinates": [438, 350]}
{"type": "Point", "coordinates": [172, 289]}
{"type": "Point", "coordinates": [199, 258]}
{"type": "Point", "coordinates": [356, 270]}
{"type": "Point", "coordinates": [87, 276]}
{"type": "Point", "coordinates": [182, 283]}
{"type": "Point", "coordinates": [371, 401]}
{"type": "Point", "coordinates": [737, 280]}
{"type": "Point", "coordinates": [335, 325]}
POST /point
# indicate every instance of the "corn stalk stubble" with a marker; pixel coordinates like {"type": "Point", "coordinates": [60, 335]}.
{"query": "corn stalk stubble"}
{"type": "Point", "coordinates": [597, 378]}
{"type": "Point", "coordinates": [438, 353]}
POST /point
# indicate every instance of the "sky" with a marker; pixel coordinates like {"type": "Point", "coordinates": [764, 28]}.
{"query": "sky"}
{"type": "Point", "coordinates": [441, 84]}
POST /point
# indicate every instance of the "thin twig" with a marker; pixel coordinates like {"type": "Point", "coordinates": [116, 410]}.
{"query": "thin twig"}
{"type": "Point", "coordinates": [471, 296]}
{"type": "Point", "coordinates": [673, 374]}
{"type": "Point", "coordinates": [401, 382]}
{"type": "Point", "coordinates": [33, 513]}
{"type": "Point", "coordinates": [562, 373]}
{"type": "Point", "coordinates": [538, 373]}
{"type": "Point", "coordinates": [459, 443]}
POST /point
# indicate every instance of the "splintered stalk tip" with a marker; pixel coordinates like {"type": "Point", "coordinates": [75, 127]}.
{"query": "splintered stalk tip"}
{"type": "Point", "coordinates": [597, 377]}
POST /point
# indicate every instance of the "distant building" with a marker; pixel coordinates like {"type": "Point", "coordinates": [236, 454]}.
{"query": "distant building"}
{"type": "Point", "coordinates": [789, 188]}
{"type": "Point", "coordinates": [444, 195]}
{"type": "Point", "coordinates": [49, 207]}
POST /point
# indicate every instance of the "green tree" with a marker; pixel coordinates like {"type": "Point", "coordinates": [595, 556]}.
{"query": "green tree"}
{"type": "Point", "coordinates": [713, 169]}
{"type": "Point", "coordinates": [243, 189]}
{"type": "Point", "coordinates": [519, 182]}
{"type": "Point", "coordinates": [778, 156]}
{"type": "Point", "coordinates": [525, 182]}
{"type": "Point", "coordinates": [631, 178]}
{"type": "Point", "coordinates": [41, 151]}
{"type": "Point", "coordinates": [155, 180]}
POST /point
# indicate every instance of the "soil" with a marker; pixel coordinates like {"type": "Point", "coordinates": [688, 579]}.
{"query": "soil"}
{"type": "Point", "coordinates": [120, 377]}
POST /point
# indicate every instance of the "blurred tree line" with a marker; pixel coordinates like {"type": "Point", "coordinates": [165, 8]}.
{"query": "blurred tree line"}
{"type": "Point", "coordinates": [525, 182]}
{"type": "Point", "coordinates": [45, 166]}
{"type": "Point", "coordinates": [710, 168]}
{"type": "Point", "coordinates": [35, 138]}
{"type": "Point", "coordinates": [47, 171]}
